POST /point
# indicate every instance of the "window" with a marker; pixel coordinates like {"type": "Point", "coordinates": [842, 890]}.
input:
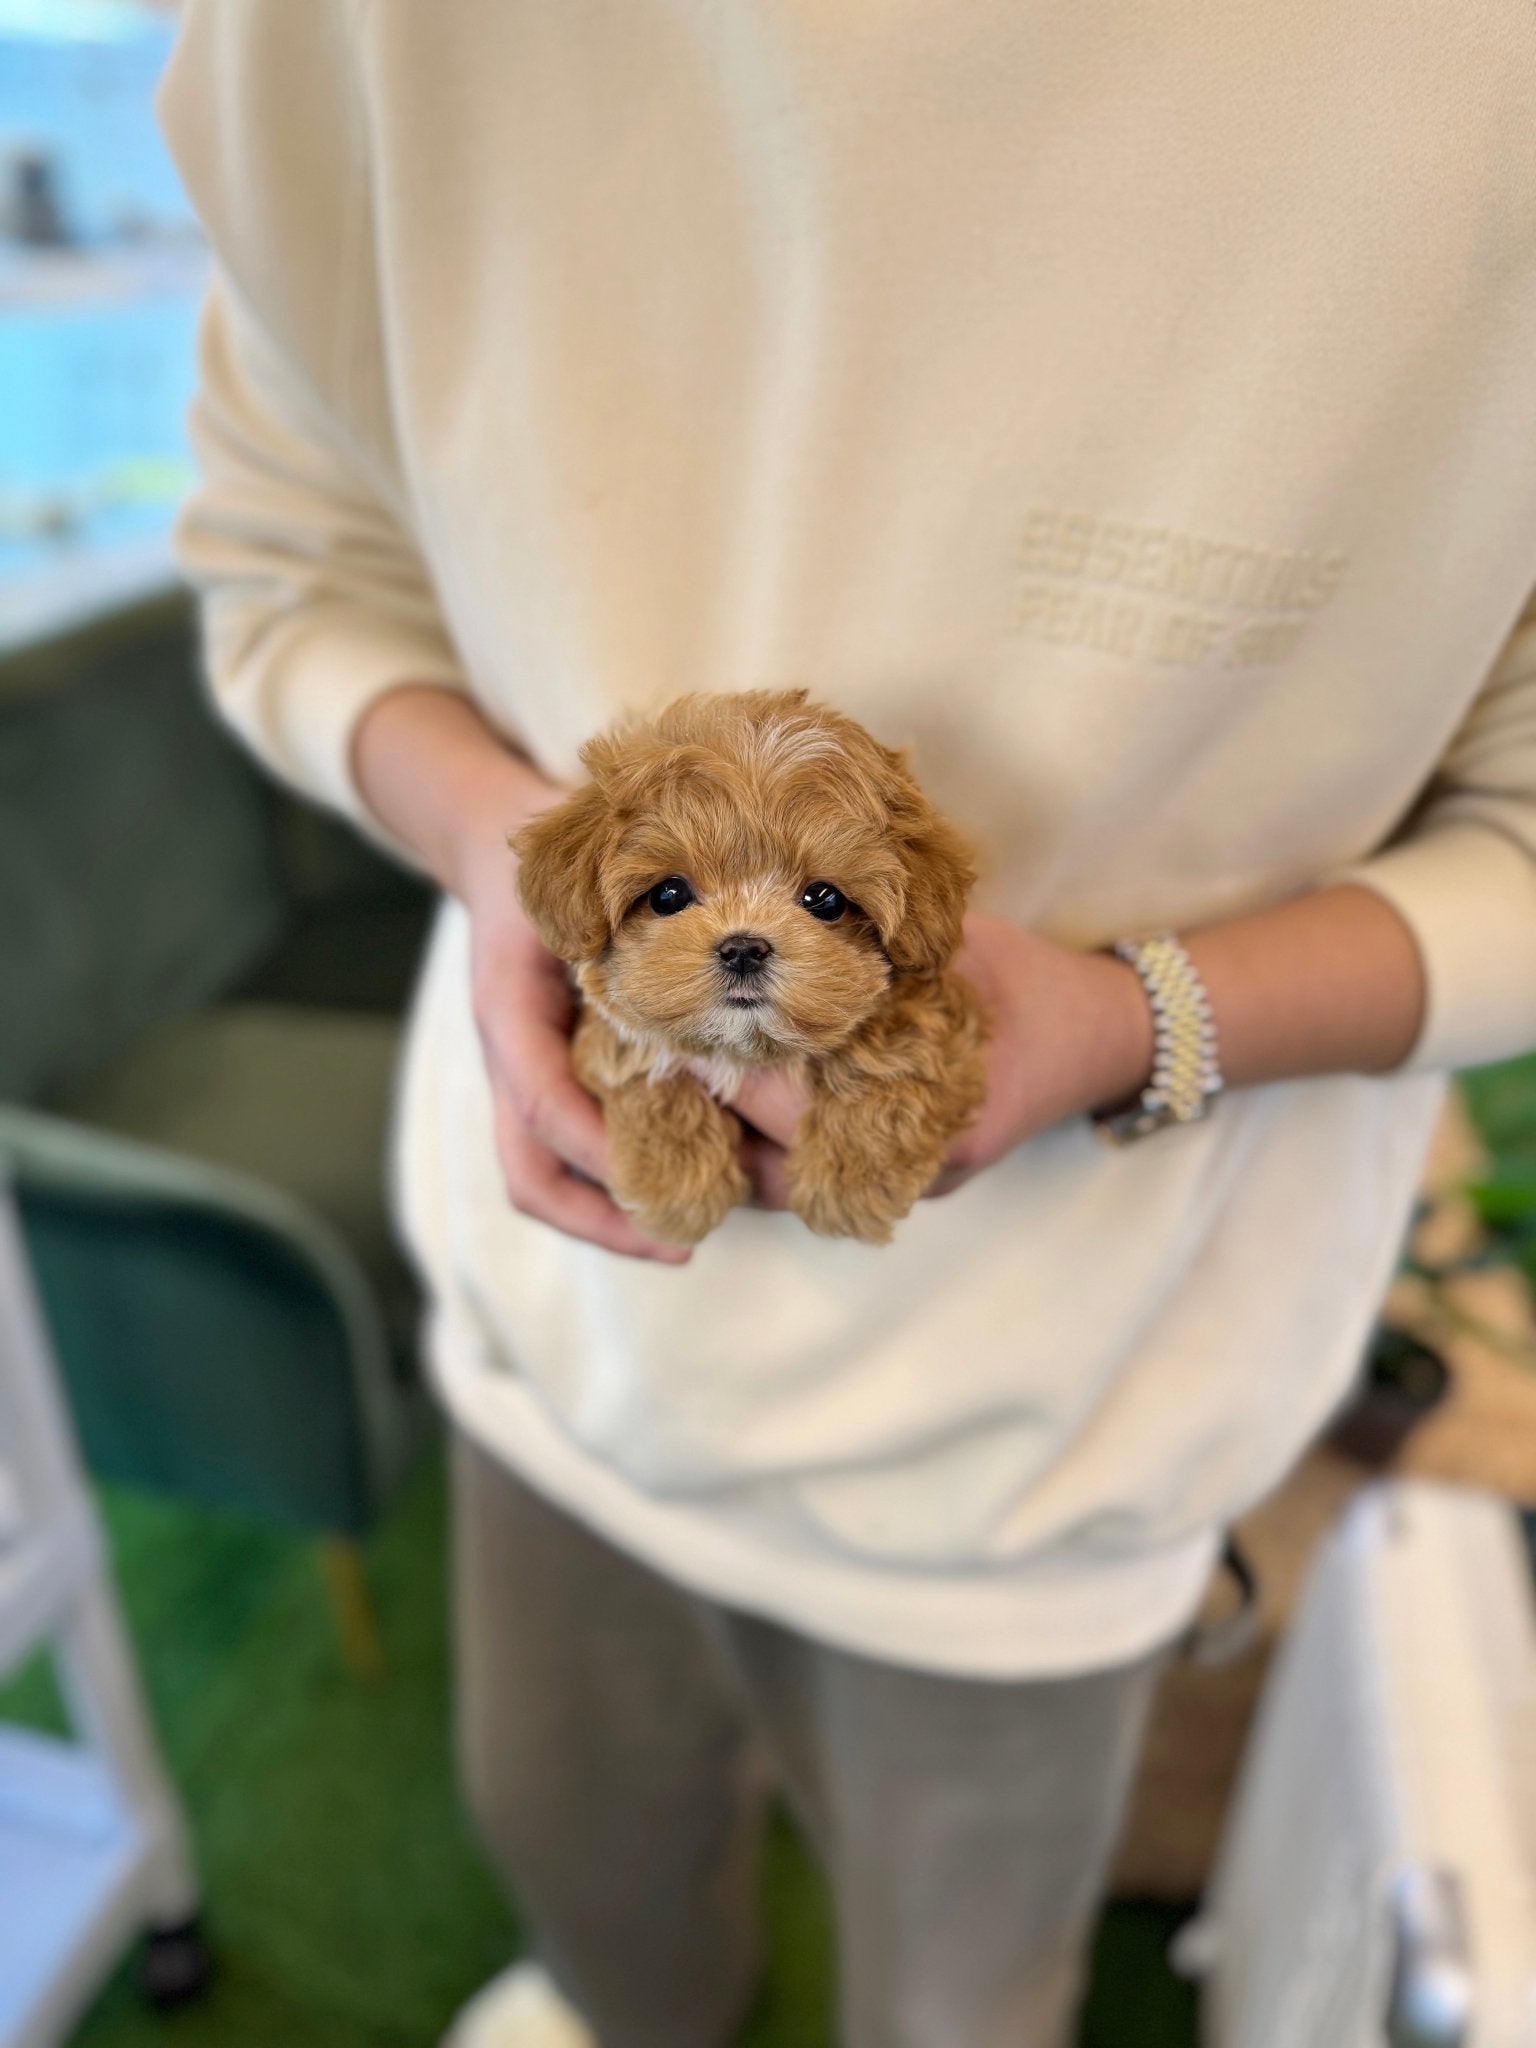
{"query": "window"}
{"type": "Point", "coordinates": [101, 273]}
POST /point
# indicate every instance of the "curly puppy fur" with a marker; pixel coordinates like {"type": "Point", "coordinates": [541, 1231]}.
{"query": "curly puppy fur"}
{"type": "Point", "coordinates": [735, 808]}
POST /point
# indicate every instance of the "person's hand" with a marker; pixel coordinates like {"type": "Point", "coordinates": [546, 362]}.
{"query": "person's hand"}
{"type": "Point", "coordinates": [1067, 1032]}
{"type": "Point", "coordinates": [550, 1138]}
{"type": "Point", "coordinates": [452, 790]}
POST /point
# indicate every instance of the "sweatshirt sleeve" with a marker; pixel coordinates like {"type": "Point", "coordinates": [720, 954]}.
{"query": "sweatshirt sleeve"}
{"type": "Point", "coordinates": [315, 597]}
{"type": "Point", "coordinates": [1461, 871]}
{"type": "Point", "coordinates": [314, 600]}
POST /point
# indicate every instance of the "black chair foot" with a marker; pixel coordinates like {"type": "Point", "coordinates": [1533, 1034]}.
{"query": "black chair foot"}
{"type": "Point", "coordinates": [176, 1966]}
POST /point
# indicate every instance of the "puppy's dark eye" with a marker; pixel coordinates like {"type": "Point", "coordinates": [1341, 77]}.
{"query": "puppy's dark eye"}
{"type": "Point", "coordinates": [670, 896]}
{"type": "Point", "coordinates": [823, 901]}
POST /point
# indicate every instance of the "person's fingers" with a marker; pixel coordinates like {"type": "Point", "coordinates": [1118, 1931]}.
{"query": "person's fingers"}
{"type": "Point", "coordinates": [766, 1167]}
{"type": "Point", "coordinates": [539, 1185]}
{"type": "Point", "coordinates": [550, 991]}
{"type": "Point", "coordinates": [771, 1102]}
{"type": "Point", "coordinates": [971, 1151]}
{"type": "Point", "coordinates": [530, 1061]}
{"type": "Point", "coordinates": [550, 1137]}
{"type": "Point", "coordinates": [558, 1112]}
{"type": "Point", "coordinates": [947, 1180]}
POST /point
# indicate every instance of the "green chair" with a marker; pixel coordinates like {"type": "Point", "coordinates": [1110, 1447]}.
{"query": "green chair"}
{"type": "Point", "coordinates": [198, 1027]}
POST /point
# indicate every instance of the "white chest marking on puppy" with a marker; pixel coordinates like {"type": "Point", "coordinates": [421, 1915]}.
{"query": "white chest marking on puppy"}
{"type": "Point", "coordinates": [721, 1076]}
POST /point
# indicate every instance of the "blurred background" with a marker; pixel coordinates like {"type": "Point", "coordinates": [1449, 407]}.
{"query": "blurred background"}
{"type": "Point", "coordinates": [201, 986]}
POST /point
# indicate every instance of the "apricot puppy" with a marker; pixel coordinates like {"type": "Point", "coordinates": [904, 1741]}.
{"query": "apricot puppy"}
{"type": "Point", "coordinates": [750, 880]}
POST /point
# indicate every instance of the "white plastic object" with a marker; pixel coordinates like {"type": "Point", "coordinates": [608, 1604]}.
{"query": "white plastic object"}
{"type": "Point", "coordinates": [93, 1848]}
{"type": "Point", "coordinates": [1376, 1886]}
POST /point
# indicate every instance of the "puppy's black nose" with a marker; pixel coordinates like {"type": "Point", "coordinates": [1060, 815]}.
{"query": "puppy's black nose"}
{"type": "Point", "coordinates": [744, 955]}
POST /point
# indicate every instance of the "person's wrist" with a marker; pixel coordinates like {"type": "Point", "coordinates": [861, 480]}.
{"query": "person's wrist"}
{"type": "Point", "coordinates": [1118, 1045]}
{"type": "Point", "coordinates": [445, 783]}
{"type": "Point", "coordinates": [507, 793]}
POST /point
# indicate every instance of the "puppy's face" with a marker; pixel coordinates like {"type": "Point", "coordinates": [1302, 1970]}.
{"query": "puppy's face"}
{"type": "Point", "coordinates": [742, 876]}
{"type": "Point", "coordinates": [776, 960]}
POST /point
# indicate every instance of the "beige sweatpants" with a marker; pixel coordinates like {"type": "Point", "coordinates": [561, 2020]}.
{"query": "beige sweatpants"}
{"type": "Point", "coordinates": [618, 1736]}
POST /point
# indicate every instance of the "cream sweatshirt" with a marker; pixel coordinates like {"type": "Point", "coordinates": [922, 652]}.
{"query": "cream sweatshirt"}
{"type": "Point", "coordinates": [1130, 408]}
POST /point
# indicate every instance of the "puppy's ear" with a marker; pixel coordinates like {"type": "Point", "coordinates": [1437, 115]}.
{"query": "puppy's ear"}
{"type": "Point", "coordinates": [939, 873]}
{"type": "Point", "coordinates": [560, 864]}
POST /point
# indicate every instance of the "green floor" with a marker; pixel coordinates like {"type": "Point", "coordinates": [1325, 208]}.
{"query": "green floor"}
{"type": "Point", "coordinates": [346, 1901]}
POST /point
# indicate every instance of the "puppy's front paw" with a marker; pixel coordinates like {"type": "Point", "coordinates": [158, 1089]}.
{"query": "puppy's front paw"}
{"type": "Point", "coordinates": [683, 1216]}
{"type": "Point", "coordinates": [887, 1106]}
{"type": "Point", "coordinates": [672, 1159]}
{"type": "Point", "coordinates": [840, 1188]}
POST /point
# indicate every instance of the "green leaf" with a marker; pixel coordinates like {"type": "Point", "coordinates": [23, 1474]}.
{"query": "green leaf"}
{"type": "Point", "coordinates": [1506, 1199]}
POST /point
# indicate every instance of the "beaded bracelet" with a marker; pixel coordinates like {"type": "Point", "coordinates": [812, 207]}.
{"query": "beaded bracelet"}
{"type": "Point", "coordinates": [1186, 1075]}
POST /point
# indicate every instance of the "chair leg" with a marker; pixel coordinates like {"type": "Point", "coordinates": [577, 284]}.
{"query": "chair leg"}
{"type": "Point", "coordinates": [353, 1613]}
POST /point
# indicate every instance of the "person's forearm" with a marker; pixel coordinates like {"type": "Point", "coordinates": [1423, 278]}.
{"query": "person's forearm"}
{"type": "Point", "coordinates": [442, 780]}
{"type": "Point", "coordinates": [1330, 982]}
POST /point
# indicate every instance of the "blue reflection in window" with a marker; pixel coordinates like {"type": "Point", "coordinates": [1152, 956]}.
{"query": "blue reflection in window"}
{"type": "Point", "coordinates": [101, 274]}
